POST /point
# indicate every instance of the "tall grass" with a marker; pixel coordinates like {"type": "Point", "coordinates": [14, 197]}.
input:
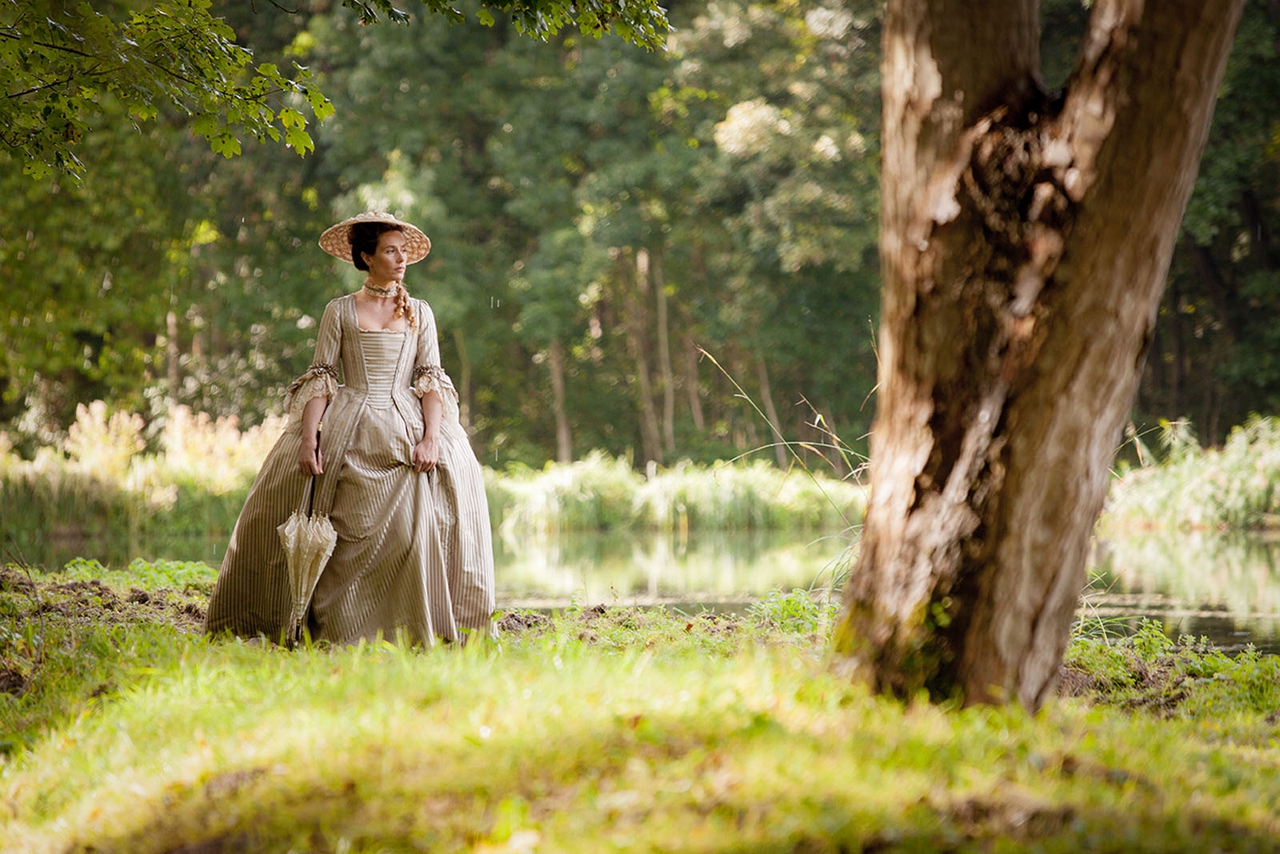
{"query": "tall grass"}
{"type": "Point", "coordinates": [109, 479]}
{"type": "Point", "coordinates": [1235, 487]}
{"type": "Point", "coordinates": [604, 493]}
{"type": "Point", "coordinates": [104, 483]}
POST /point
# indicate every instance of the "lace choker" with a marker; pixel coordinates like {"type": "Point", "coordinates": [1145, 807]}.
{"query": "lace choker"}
{"type": "Point", "coordinates": [382, 293]}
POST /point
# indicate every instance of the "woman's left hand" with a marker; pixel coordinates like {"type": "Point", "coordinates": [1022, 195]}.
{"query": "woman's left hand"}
{"type": "Point", "coordinates": [426, 453]}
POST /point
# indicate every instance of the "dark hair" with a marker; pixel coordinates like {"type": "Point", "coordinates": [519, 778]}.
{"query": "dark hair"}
{"type": "Point", "coordinates": [364, 240]}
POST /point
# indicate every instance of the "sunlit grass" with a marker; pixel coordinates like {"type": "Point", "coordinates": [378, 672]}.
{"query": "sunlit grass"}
{"type": "Point", "coordinates": [607, 729]}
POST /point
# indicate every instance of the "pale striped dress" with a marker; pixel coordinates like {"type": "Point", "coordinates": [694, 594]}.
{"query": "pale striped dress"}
{"type": "Point", "coordinates": [414, 558]}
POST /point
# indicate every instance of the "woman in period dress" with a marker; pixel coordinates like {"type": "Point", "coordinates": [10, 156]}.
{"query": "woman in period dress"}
{"type": "Point", "coordinates": [397, 476]}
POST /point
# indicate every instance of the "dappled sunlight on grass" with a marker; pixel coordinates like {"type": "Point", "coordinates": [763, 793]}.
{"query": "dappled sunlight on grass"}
{"type": "Point", "coordinates": [609, 727]}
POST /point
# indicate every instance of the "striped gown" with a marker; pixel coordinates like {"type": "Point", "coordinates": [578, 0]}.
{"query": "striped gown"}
{"type": "Point", "coordinates": [414, 558]}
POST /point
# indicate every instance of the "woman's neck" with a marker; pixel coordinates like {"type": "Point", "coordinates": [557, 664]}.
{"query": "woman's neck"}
{"type": "Point", "coordinates": [381, 289]}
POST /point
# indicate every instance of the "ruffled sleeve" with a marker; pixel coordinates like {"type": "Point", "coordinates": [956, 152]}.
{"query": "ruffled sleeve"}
{"type": "Point", "coordinates": [317, 381]}
{"type": "Point", "coordinates": [321, 379]}
{"type": "Point", "coordinates": [429, 378]}
{"type": "Point", "coordinates": [428, 375]}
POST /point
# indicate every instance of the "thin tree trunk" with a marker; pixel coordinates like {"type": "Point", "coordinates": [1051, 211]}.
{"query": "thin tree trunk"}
{"type": "Point", "coordinates": [691, 383]}
{"type": "Point", "coordinates": [564, 439]}
{"type": "Point", "coordinates": [650, 437]}
{"type": "Point", "coordinates": [1024, 247]}
{"type": "Point", "coordinates": [172, 354]}
{"type": "Point", "coordinates": [464, 379]}
{"type": "Point", "coordinates": [664, 360]}
{"type": "Point", "coordinates": [1255, 222]}
{"type": "Point", "coordinates": [771, 412]}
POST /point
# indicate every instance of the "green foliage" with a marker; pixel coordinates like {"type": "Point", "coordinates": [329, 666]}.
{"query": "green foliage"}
{"type": "Point", "coordinates": [147, 575]}
{"type": "Point", "coordinates": [541, 171]}
{"type": "Point", "coordinates": [747, 495]}
{"type": "Point", "coordinates": [742, 161]}
{"type": "Point", "coordinates": [603, 493]}
{"type": "Point", "coordinates": [183, 489]}
{"type": "Point", "coordinates": [1228, 488]}
{"type": "Point", "coordinates": [797, 612]}
{"type": "Point", "coordinates": [642, 23]}
{"type": "Point", "coordinates": [64, 60]}
{"type": "Point", "coordinates": [1213, 357]}
{"type": "Point", "coordinates": [1186, 679]}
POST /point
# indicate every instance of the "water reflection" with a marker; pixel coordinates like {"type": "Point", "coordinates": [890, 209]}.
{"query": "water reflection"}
{"type": "Point", "coordinates": [1226, 588]}
{"type": "Point", "coordinates": [644, 567]}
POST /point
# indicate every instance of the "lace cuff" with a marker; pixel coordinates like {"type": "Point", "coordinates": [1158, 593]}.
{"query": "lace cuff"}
{"type": "Point", "coordinates": [318, 381]}
{"type": "Point", "coordinates": [427, 378]}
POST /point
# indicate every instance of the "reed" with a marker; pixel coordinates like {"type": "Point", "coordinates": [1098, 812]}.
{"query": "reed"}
{"type": "Point", "coordinates": [110, 479]}
{"type": "Point", "coordinates": [1235, 487]}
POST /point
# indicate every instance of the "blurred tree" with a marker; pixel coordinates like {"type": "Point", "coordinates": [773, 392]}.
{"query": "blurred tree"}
{"type": "Point", "coordinates": [1025, 242]}
{"type": "Point", "coordinates": [784, 98]}
{"type": "Point", "coordinates": [738, 171]}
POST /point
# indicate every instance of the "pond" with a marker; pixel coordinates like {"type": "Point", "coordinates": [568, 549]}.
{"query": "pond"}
{"type": "Point", "coordinates": [1224, 588]}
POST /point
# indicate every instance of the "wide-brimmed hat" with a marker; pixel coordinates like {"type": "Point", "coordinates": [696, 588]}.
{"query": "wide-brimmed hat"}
{"type": "Point", "coordinates": [336, 239]}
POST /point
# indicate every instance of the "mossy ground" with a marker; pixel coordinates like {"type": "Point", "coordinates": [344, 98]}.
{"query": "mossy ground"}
{"type": "Point", "coordinates": [591, 730]}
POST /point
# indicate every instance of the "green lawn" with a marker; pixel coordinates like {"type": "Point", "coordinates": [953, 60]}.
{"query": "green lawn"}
{"type": "Point", "coordinates": [594, 730]}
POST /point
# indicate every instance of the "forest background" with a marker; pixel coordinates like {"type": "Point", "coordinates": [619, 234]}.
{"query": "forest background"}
{"type": "Point", "coordinates": [599, 213]}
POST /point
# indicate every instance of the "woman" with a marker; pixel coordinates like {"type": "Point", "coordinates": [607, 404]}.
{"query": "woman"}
{"type": "Point", "coordinates": [395, 473]}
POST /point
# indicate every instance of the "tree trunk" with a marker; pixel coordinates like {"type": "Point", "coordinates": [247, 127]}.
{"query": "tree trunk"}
{"type": "Point", "coordinates": [650, 438]}
{"type": "Point", "coordinates": [172, 354]}
{"type": "Point", "coordinates": [664, 361]}
{"type": "Point", "coordinates": [691, 383]}
{"type": "Point", "coordinates": [1024, 246]}
{"type": "Point", "coordinates": [464, 379]}
{"type": "Point", "coordinates": [771, 412]}
{"type": "Point", "coordinates": [1173, 402]}
{"type": "Point", "coordinates": [1214, 285]}
{"type": "Point", "coordinates": [564, 439]}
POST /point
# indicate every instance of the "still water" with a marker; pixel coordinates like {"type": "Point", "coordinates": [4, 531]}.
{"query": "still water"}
{"type": "Point", "coordinates": [1224, 588]}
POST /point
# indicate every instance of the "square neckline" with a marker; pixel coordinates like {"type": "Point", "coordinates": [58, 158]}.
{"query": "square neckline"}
{"type": "Point", "coordinates": [356, 316]}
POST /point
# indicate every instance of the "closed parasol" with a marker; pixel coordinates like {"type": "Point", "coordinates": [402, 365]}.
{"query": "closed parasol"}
{"type": "Point", "coordinates": [308, 542]}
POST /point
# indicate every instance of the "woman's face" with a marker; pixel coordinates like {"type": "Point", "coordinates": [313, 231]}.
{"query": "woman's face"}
{"type": "Point", "coordinates": [388, 261]}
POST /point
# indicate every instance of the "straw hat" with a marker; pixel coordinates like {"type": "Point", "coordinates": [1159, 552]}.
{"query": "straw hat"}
{"type": "Point", "coordinates": [336, 239]}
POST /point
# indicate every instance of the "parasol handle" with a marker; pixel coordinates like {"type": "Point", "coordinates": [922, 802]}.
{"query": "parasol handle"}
{"type": "Point", "coordinates": [311, 500]}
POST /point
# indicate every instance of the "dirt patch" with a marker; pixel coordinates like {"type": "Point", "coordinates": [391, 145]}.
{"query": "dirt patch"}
{"type": "Point", "coordinates": [85, 603]}
{"type": "Point", "coordinates": [519, 622]}
{"type": "Point", "coordinates": [226, 785]}
{"type": "Point", "coordinates": [1016, 816]}
{"type": "Point", "coordinates": [232, 844]}
{"type": "Point", "coordinates": [1076, 683]}
{"type": "Point", "coordinates": [12, 681]}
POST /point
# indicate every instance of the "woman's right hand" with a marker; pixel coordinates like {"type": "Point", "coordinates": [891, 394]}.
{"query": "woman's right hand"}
{"type": "Point", "coordinates": [309, 459]}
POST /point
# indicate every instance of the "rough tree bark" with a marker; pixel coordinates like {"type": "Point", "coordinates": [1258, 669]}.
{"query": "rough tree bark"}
{"type": "Point", "coordinates": [1025, 240]}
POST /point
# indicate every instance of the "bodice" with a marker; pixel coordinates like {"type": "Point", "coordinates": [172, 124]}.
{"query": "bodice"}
{"type": "Point", "coordinates": [381, 358]}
